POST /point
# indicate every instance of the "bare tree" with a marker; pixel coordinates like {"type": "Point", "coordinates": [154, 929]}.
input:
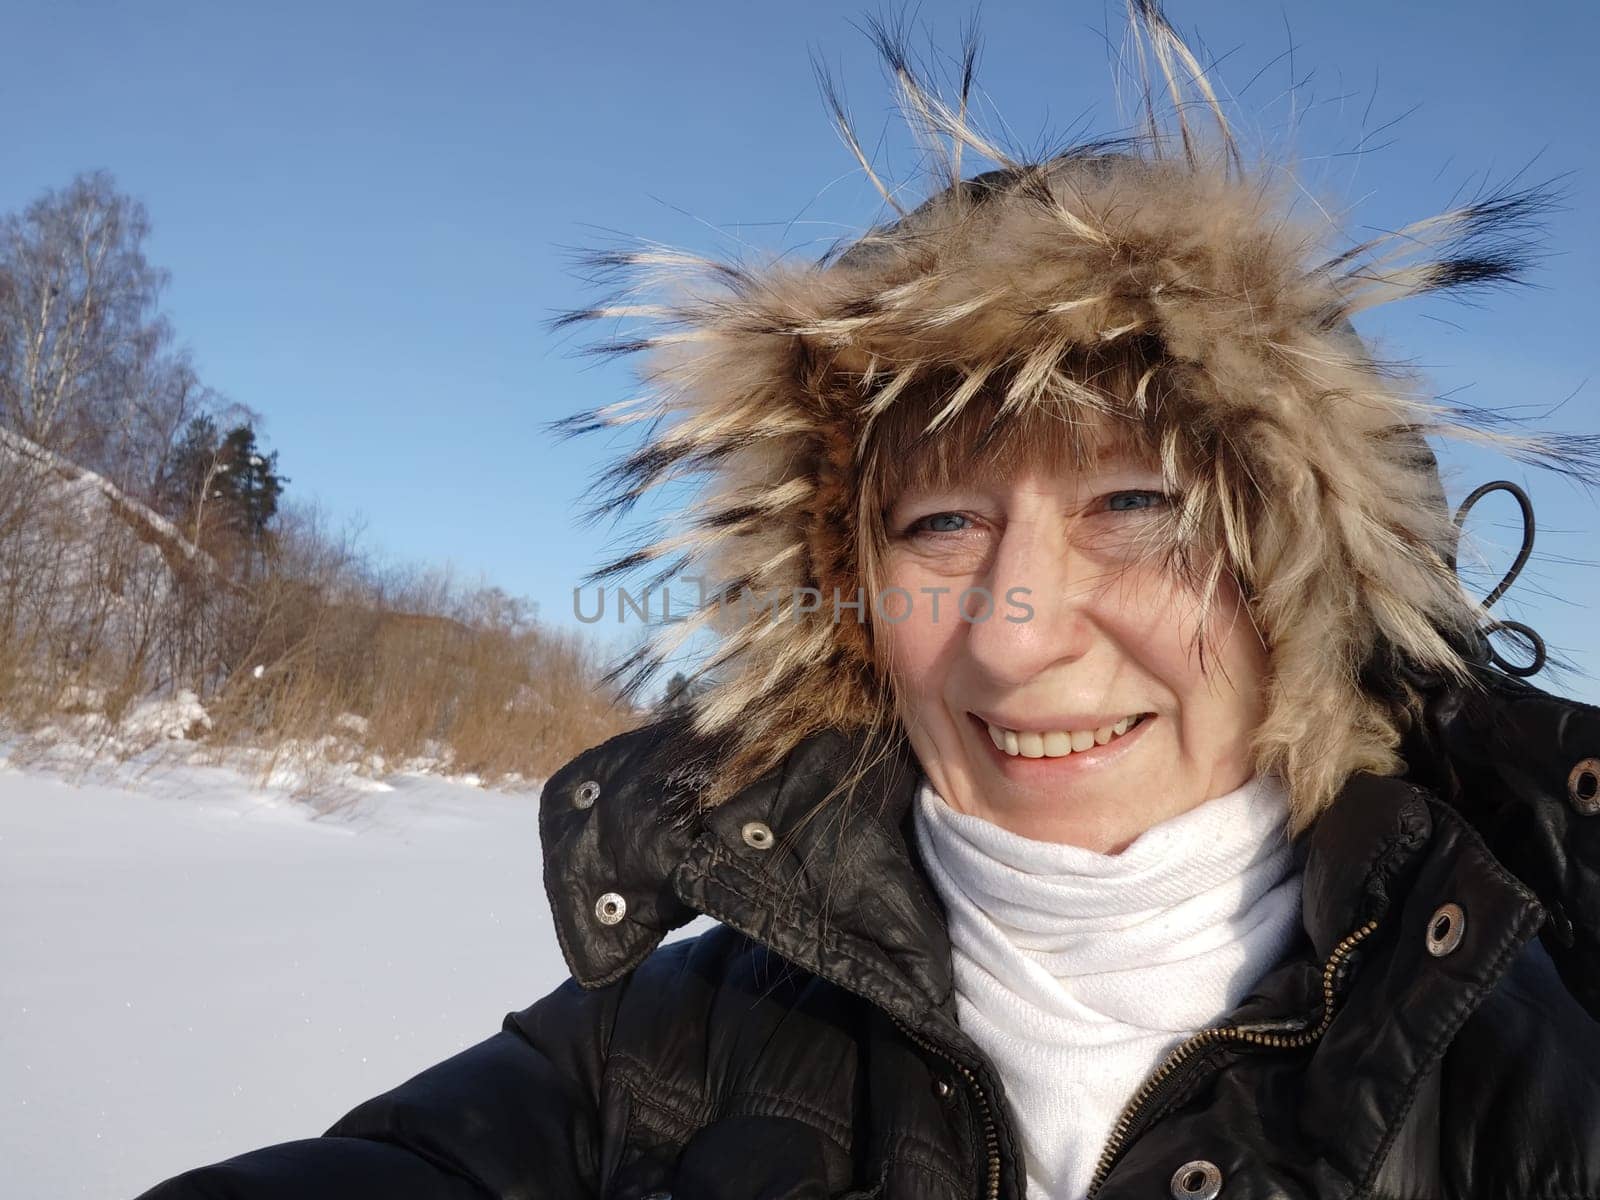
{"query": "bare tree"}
{"type": "Point", "coordinates": [164, 394]}
{"type": "Point", "coordinates": [79, 330]}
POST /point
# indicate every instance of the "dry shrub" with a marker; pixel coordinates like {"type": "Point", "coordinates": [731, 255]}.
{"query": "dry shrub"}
{"type": "Point", "coordinates": [85, 596]}
{"type": "Point", "coordinates": [320, 657]}
{"type": "Point", "coordinates": [432, 671]}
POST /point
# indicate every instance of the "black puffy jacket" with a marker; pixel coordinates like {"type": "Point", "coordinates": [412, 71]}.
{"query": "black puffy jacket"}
{"type": "Point", "coordinates": [1433, 1035]}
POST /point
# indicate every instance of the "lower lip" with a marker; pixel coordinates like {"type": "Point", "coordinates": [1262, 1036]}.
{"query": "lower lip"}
{"type": "Point", "coordinates": [1096, 757]}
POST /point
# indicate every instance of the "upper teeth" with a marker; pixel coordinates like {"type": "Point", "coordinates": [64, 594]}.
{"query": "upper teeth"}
{"type": "Point", "coordinates": [1056, 743]}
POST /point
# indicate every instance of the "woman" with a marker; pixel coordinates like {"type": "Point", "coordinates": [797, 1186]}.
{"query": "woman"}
{"type": "Point", "coordinates": [1104, 788]}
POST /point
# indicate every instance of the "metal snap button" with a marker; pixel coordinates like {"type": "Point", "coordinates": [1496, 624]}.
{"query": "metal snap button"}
{"type": "Point", "coordinates": [610, 908]}
{"type": "Point", "coordinates": [757, 835]}
{"type": "Point", "coordinates": [1583, 787]}
{"type": "Point", "coordinates": [1197, 1180]}
{"type": "Point", "coordinates": [1445, 929]}
{"type": "Point", "coordinates": [588, 792]}
{"type": "Point", "coordinates": [943, 1089]}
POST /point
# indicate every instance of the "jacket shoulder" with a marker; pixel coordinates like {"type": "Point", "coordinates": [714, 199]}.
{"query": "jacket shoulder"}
{"type": "Point", "coordinates": [521, 1105]}
{"type": "Point", "coordinates": [532, 1102]}
{"type": "Point", "coordinates": [1519, 1090]}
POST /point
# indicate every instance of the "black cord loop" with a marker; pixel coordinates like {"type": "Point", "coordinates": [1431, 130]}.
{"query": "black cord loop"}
{"type": "Point", "coordinates": [1533, 640]}
{"type": "Point", "coordinates": [1540, 655]}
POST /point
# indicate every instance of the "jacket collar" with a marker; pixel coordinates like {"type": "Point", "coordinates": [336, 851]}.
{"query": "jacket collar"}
{"type": "Point", "coordinates": [840, 890]}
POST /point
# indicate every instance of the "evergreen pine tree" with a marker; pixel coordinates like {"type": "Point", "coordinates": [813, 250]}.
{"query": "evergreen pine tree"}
{"type": "Point", "coordinates": [223, 491]}
{"type": "Point", "coordinates": [250, 485]}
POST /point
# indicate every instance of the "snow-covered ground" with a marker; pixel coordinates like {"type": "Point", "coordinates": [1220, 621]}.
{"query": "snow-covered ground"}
{"type": "Point", "coordinates": [191, 967]}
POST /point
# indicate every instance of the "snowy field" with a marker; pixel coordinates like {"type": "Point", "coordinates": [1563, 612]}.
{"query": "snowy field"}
{"type": "Point", "coordinates": [191, 967]}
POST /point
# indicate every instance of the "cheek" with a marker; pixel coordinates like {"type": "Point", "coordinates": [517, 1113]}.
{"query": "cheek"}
{"type": "Point", "coordinates": [1223, 688]}
{"type": "Point", "coordinates": [1154, 623]}
{"type": "Point", "coordinates": [1157, 625]}
{"type": "Point", "coordinates": [1248, 667]}
{"type": "Point", "coordinates": [916, 640]}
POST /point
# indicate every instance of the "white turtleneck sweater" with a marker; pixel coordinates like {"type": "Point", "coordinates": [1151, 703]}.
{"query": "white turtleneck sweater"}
{"type": "Point", "coordinates": [1077, 972]}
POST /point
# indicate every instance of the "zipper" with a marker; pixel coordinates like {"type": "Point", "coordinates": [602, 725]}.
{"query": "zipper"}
{"type": "Point", "coordinates": [991, 1131]}
{"type": "Point", "coordinates": [1127, 1120]}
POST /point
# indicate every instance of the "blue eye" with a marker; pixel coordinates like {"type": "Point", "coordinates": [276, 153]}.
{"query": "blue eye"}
{"type": "Point", "coordinates": [1134, 501]}
{"type": "Point", "coordinates": [922, 523]}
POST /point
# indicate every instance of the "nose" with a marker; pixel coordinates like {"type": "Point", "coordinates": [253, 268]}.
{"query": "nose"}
{"type": "Point", "coordinates": [1015, 645]}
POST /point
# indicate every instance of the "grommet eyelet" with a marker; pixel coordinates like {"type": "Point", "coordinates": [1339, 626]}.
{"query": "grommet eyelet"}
{"type": "Point", "coordinates": [1583, 787]}
{"type": "Point", "coordinates": [757, 835]}
{"type": "Point", "coordinates": [1445, 929]}
{"type": "Point", "coordinates": [943, 1089]}
{"type": "Point", "coordinates": [588, 792]}
{"type": "Point", "coordinates": [610, 908]}
{"type": "Point", "coordinates": [1197, 1180]}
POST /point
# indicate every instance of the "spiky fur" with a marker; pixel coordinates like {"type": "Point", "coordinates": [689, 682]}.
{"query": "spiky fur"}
{"type": "Point", "coordinates": [1295, 452]}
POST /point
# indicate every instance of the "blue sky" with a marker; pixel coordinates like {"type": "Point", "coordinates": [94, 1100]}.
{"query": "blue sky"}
{"type": "Point", "coordinates": [366, 210]}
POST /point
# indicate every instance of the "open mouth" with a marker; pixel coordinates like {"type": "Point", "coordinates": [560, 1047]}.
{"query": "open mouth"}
{"type": "Point", "coordinates": [1062, 743]}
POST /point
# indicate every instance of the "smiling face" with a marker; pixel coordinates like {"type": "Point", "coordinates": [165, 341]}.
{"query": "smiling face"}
{"type": "Point", "coordinates": [1116, 703]}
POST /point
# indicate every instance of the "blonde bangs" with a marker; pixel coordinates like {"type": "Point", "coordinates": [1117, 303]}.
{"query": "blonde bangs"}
{"type": "Point", "coordinates": [1101, 405]}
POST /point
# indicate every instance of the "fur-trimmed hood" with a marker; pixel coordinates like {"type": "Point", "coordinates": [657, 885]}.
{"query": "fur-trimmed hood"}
{"type": "Point", "coordinates": [1288, 443]}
